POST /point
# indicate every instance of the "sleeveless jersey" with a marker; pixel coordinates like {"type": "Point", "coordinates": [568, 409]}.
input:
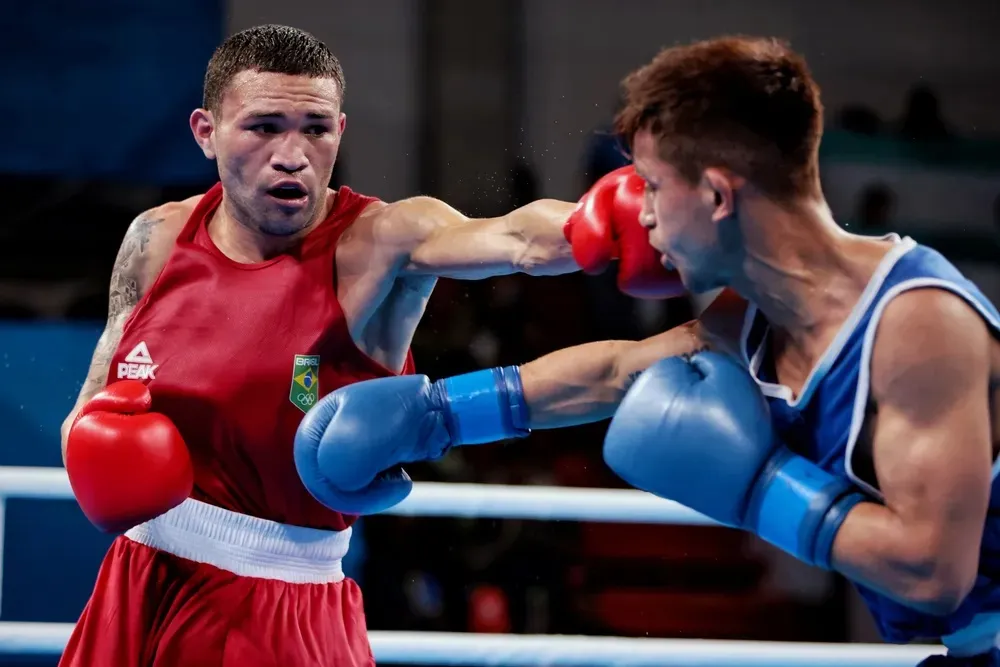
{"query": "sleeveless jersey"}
{"type": "Point", "coordinates": [236, 353]}
{"type": "Point", "coordinates": [825, 421]}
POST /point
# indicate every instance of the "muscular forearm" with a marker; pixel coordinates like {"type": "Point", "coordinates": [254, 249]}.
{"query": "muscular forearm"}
{"type": "Point", "coordinates": [539, 228]}
{"type": "Point", "coordinates": [529, 240]}
{"type": "Point", "coordinates": [96, 376]}
{"type": "Point", "coordinates": [877, 549]}
{"type": "Point", "coordinates": [586, 383]}
{"type": "Point", "coordinates": [577, 385]}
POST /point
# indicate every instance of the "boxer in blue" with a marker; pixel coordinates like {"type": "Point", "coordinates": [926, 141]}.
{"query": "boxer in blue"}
{"type": "Point", "coordinates": [838, 398]}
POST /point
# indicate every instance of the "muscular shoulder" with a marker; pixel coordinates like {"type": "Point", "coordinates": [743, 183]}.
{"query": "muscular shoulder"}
{"type": "Point", "coordinates": [166, 220]}
{"type": "Point", "coordinates": [405, 223]}
{"type": "Point", "coordinates": [928, 343]}
{"type": "Point", "coordinates": [370, 223]}
{"type": "Point", "coordinates": [152, 234]}
{"type": "Point", "coordinates": [144, 250]}
{"type": "Point", "coordinates": [363, 246]}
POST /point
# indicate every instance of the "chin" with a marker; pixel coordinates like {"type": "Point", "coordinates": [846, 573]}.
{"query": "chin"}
{"type": "Point", "coordinates": [282, 225]}
{"type": "Point", "coordinates": [279, 231]}
{"type": "Point", "coordinates": [285, 227]}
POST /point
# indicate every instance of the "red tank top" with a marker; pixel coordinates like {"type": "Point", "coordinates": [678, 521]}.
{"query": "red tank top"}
{"type": "Point", "coordinates": [236, 353]}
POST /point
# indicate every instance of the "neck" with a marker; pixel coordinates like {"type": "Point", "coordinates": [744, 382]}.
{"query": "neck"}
{"type": "Point", "coordinates": [800, 269]}
{"type": "Point", "coordinates": [245, 244]}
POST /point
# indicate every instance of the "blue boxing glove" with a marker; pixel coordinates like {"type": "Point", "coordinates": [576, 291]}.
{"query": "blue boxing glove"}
{"type": "Point", "coordinates": [350, 445]}
{"type": "Point", "coordinates": [698, 431]}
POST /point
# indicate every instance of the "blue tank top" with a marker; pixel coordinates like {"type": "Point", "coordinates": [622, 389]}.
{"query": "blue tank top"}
{"type": "Point", "coordinates": [825, 421]}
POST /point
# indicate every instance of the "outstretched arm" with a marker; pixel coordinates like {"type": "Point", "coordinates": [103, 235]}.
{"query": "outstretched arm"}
{"type": "Point", "coordinates": [585, 383]}
{"type": "Point", "coordinates": [427, 237]}
{"type": "Point", "coordinates": [932, 454]}
{"type": "Point", "coordinates": [443, 242]}
{"type": "Point", "coordinates": [369, 427]}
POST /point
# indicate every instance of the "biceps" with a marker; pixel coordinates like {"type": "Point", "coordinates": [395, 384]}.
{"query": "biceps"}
{"type": "Point", "coordinates": [937, 476]}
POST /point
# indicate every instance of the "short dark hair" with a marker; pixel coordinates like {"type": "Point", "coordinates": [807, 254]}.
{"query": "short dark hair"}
{"type": "Point", "coordinates": [269, 48]}
{"type": "Point", "coordinates": [744, 103]}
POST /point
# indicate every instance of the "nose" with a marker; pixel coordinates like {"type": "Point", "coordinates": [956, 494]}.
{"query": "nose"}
{"type": "Point", "coordinates": [289, 155]}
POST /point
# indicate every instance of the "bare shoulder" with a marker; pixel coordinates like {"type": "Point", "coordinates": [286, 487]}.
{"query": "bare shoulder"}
{"type": "Point", "coordinates": [362, 246]}
{"type": "Point", "coordinates": [404, 223]}
{"type": "Point", "coordinates": [370, 222]}
{"type": "Point", "coordinates": [387, 232]}
{"type": "Point", "coordinates": [166, 220]}
{"type": "Point", "coordinates": [160, 225]}
{"type": "Point", "coordinates": [144, 250]}
{"type": "Point", "coordinates": [928, 339]}
{"type": "Point", "coordinates": [927, 322]}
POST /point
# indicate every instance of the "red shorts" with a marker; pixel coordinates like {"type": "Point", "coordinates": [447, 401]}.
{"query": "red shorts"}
{"type": "Point", "coordinates": [202, 586]}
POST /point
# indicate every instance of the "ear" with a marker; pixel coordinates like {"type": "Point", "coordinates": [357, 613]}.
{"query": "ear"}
{"type": "Point", "coordinates": [203, 128]}
{"type": "Point", "coordinates": [342, 123]}
{"type": "Point", "coordinates": [721, 186]}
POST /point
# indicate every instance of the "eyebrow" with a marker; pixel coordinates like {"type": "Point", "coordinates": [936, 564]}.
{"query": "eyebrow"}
{"type": "Point", "coordinates": [312, 115]}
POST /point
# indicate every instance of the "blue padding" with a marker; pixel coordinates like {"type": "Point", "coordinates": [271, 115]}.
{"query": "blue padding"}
{"type": "Point", "coordinates": [799, 507]}
{"type": "Point", "coordinates": [486, 406]}
{"type": "Point", "coordinates": [823, 550]}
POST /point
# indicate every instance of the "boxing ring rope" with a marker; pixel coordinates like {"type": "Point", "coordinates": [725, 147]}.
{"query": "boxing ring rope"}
{"type": "Point", "coordinates": [493, 501]}
{"type": "Point", "coordinates": [469, 650]}
{"type": "Point", "coordinates": [475, 650]}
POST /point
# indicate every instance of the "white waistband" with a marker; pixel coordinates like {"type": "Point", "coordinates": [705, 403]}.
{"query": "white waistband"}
{"type": "Point", "coordinates": [979, 636]}
{"type": "Point", "coordinates": [246, 545]}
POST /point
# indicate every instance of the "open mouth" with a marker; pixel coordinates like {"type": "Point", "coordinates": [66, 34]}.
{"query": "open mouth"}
{"type": "Point", "coordinates": [287, 192]}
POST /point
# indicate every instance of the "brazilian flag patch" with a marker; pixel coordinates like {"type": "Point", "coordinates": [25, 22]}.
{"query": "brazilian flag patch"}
{"type": "Point", "coordinates": [305, 382]}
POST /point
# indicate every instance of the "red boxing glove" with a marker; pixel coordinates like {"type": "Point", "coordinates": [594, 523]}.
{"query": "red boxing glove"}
{"type": "Point", "coordinates": [126, 465]}
{"type": "Point", "coordinates": [605, 226]}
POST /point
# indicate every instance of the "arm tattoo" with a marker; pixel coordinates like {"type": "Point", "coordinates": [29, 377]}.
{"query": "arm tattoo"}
{"type": "Point", "coordinates": [630, 380]}
{"type": "Point", "coordinates": [687, 356]}
{"type": "Point", "coordinates": [131, 260]}
{"type": "Point", "coordinates": [125, 292]}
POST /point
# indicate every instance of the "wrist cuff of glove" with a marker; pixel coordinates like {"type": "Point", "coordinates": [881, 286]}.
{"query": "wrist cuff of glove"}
{"type": "Point", "coordinates": [485, 406]}
{"type": "Point", "coordinates": [823, 550]}
{"type": "Point", "coordinates": [799, 507]}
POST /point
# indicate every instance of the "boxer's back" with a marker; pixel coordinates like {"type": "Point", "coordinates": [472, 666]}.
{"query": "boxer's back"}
{"type": "Point", "coordinates": [830, 421]}
{"type": "Point", "coordinates": [235, 354]}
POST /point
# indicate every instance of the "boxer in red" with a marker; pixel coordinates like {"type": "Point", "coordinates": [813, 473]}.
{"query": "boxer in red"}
{"type": "Point", "coordinates": [234, 312]}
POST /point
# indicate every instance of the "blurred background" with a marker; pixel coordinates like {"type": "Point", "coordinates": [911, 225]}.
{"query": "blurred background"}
{"type": "Point", "coordinates": [489, 105]}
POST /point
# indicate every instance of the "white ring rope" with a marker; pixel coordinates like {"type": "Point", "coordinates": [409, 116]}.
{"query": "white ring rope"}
{"type": "Point", "coordinates": [490, 501]}
{"type": "Point", "coordinates": [478, 650]}
{"type": "Point", "coordinates": [38, 483]}
{"type": "Point", "coordinates": [475, 650]}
